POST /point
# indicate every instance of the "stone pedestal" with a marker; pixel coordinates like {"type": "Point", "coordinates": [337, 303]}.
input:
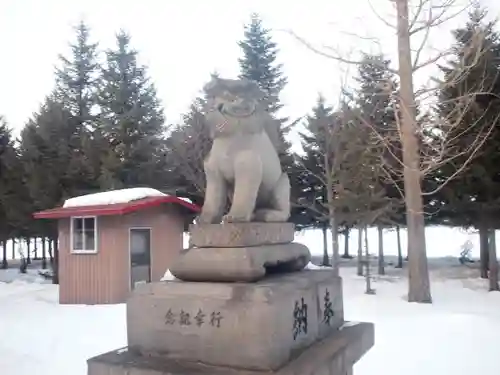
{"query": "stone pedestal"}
{"type": "Point", "coordinates": [240, 264]}
{"type": "Point", "coordinates": [240, 252]}
{"type": "Point", "coordinates": [252, 325]}
{"type": "Point", "coordinates": [288, 321]}
{"type": "Point", "coordinates": [241, 234]}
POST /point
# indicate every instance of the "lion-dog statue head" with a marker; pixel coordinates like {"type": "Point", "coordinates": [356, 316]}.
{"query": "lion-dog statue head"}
{"type": "Point", "coordinates": [235, 106]}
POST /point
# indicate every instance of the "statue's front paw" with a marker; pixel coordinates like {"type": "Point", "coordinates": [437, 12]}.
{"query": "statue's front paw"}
{"type": "Point", "coordinates": [206, 218]}
{"type": "Point", "coordinates": [229, 218]}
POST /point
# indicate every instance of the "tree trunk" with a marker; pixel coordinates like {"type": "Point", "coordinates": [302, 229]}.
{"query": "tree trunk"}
{"type": "Point", "coordinates": [493, 274]}
{"type": "Point", "coordinates": [381, 268]}
{"type": "Point", "coordinates": [483, 249]}
{"type": "Point", "coordinates": [367, 249]}
{"type": "Point", "coordinates": [368, 279]}
{"type": "Point", "coordinates": [346, 244]}
{"type": "Point", "coordinates": [13, 248]}
{"type": "Point", "coordinates": [400, 251]}
{"type": "Point", "coordinates": [335, 243]}
{"type": "Point", "coordinates": [419, 285]}
{"type": "Point", "coordinates": [55, 264]}
{"type": "Point", "coordinates": [44, 255]}
{"type": "Point", "coordinates": [28, 250]}
{"type": "Point", "coordinates": [51, 253]}
{"type": "Point", "coordinates": [332, 214]}
{"type": "Point", "coordinates": [326, 258]}
{"type": "Point", "coordinates": [360, 251]}
{"type": "Point", "coordinates": [5, 263]}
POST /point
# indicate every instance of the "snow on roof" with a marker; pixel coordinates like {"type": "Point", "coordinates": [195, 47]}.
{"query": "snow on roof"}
{"type": "Point", "coordinates": [113, 197]}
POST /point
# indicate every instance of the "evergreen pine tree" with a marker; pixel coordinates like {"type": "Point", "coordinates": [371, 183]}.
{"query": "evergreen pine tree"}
{"type": "Point", "coordinates": [51, 163]}
{"type": "Point", "coordinates": [375, 96]}
{"type": "Point", "coordinates": [7, 155]}
{"type": "Point", "coordinates": [376, 99]}
{"type": "Point", "coordinates": [76, 79]}
{"type": "Point", "coordinates": [53, 167]}
{"type": "Point", "coordinates": [338, 171]}
{"type": "Point", "coordinates": [15, 206]}
{"type": "Point", "coordinates": [4, 147]}
{"type": "Point", "coordinates": [470, 104]}
{"type": "Point", "coordinates": [76, 84]}
{"type": "Point", "coordinates": [259, 64]}
{"type": "Point", "coordinates": [131, 120]}
{"type": "Point", "coordinates": [311, 182]}
{"type": "Point", "coordinates": [187, 146]}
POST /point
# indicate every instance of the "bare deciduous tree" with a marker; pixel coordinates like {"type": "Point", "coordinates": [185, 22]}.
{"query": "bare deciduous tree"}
{"type": "Point", "coordinates": [329, 136]}
{"type": "Point", "coordinates": [426, 142]}
{"type": "Point", "coordinates": [348, 162]}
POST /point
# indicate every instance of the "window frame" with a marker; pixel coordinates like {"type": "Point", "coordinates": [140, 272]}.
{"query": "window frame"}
{"type": "Point", "coordinates": [72, 234]}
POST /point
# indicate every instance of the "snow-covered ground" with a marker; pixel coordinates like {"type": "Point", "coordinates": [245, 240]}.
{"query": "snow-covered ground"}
{"type": "Point", "coordinates": [457, 335]}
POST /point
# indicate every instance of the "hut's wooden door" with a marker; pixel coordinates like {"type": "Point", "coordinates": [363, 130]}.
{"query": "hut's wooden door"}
{"type": "Point", "coordinates": [140, 255]}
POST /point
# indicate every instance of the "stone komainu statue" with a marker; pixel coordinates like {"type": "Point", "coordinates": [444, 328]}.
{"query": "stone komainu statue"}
{"type": "Point", "coordinates": [243, 160]}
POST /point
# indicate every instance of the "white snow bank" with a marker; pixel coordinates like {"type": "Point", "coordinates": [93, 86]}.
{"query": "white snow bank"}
{"type": "Point", "coordinates": [444, 338]}
{"type": "Point", "coordinates": [168, 276]}
{"type": "Point", "coordinates": [313, 266]}
{"type": "Point", "coordinates": [31, 276]}
{"type": "Point", "coordinates": [113, 197]}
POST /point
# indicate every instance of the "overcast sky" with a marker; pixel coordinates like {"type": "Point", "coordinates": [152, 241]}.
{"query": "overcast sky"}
{"type": "Point", "coordinates": [183, 41]}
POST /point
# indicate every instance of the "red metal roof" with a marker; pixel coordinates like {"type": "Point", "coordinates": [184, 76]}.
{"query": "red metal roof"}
{"type": "Point", "coordinates": [113, 209]}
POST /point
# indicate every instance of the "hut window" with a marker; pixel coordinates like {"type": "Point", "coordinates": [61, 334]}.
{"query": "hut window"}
{"type": "Point", "coordinates": [84, 234]}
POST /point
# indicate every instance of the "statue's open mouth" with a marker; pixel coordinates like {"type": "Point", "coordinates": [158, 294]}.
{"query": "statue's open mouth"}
{"type": "Point", "coordinates": [240, 109]}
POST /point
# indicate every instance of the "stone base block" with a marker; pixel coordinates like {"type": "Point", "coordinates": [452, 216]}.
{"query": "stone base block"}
{"type": "Point", "coordinates": [240, 234]}
{"type": "Point", "coordinates": [256, 326]}
{"type": "Point", "coordinates": [239, 264]}
{"type": "Point", "coordinates": [335, 355]}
